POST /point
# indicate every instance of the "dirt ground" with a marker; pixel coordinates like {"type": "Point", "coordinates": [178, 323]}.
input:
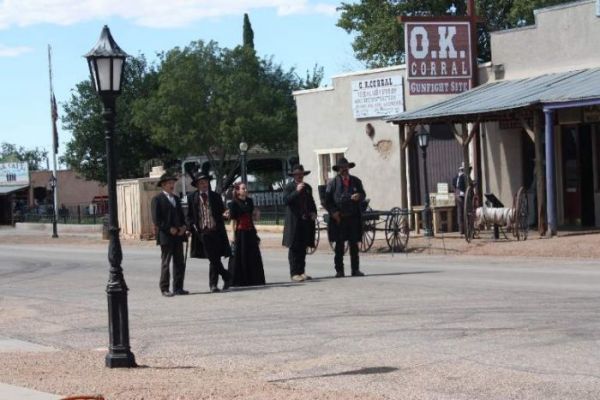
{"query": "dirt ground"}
{"type": "Point", "coordinates": [566, 244]}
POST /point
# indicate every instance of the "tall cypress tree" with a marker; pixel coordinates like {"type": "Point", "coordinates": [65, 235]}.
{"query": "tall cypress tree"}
{"type": "Point", "coordinates": [248, 33]}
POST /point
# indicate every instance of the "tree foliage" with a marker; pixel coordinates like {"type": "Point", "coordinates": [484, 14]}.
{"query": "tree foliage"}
{"type": "Point", "coordinates": [379, 38]}
{"type": "Point", "coordinates": [198, 100]}
{"type": "Point", "coordinates": [248, 33]}
{"type": "Point", "coordinates": [86, 152]}
{"type": "Point", "coordinates": [33, 157]}
{"type": "Point", "coordinates": [209, 99]}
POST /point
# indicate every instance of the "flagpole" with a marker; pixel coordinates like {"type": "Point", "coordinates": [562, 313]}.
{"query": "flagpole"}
{"type": "Point", "coordinates": [53, 179]}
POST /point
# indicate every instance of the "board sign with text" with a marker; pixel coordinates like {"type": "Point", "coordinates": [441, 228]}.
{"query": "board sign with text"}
{"type": "Point", "coordinates": [14, 173]}
{"type": "Point", "coordinates": [377, 97]}
{"type": "Point", "coordinates": [438, 57]}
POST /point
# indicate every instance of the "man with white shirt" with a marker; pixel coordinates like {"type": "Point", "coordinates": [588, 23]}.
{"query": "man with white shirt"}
{"type": "Point", "coordinates": [169, 224]}
{"type": "Point", "coordinates": [205, 220]}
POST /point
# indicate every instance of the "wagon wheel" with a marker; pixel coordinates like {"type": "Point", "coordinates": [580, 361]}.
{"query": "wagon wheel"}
{"type": "Point", "coordinates": [396, 230]}
{"type": "Point", "coordinates": [368, 236]}
{"type": "Point", "coordinates": [521, 222]}
{"type": "Point", "coordinates": [311, 250]}
{"type": "Point", "coordinates": [469, 214]}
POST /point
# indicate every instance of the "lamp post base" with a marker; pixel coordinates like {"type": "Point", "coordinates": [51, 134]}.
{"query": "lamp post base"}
{"type": "Point", "coordinates": [120, 360]}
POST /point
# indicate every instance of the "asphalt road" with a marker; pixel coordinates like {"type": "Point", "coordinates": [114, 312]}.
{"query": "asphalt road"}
{"type": "Point", "coordinates": [416, 327]}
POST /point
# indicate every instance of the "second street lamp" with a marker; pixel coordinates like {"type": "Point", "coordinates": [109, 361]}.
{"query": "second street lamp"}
{"type": "Point", "coordinates": [243, 165]}
{"type": "Point", "coordinates": [106, 62]}
{"type": "Point", "coordinates": [423, 138]}
{"type": "Point", "coordinates": [53, 183]}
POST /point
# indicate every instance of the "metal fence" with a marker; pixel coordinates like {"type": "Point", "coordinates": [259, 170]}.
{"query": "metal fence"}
{"type": "Point", "coordinates": [72, 214]}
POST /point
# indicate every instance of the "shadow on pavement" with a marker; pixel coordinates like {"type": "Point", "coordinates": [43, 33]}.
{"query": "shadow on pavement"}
{"type": "Point", "coordinates": [361, 371]}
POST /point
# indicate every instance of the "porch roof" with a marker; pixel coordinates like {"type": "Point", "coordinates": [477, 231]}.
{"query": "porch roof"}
{"type": "Point", "coordinates": [499, 99]}
{"type": "Point", "coordinates": [6, 189]}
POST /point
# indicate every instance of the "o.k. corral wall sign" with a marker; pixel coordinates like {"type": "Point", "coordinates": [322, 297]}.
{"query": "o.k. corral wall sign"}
{"type": "Point", "coordinates": [438, 57]}
{"type": "Point", "coordinates": [377, 97]}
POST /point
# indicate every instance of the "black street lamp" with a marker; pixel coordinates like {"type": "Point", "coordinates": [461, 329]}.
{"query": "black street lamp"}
{"type": "Point", "coordinates": [107, 62]}
{"type": "Point", "coordinates": [244, 172]}
{"type": "Point", "coordinates": [52, 183]}
{"type": "Point", "coordinates": [423, 138]}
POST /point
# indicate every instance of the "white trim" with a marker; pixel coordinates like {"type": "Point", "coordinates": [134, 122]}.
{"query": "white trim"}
{"type": "Point", "coordinates": [333, 150]}
{"type": "Point", "coordinates": [315, 90]}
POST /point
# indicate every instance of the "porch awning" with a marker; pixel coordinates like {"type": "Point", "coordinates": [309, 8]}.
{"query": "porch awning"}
{"type": "Point", "coordinates": [6, 189]}
{"type": "Point", "coordinates": [487, 101]}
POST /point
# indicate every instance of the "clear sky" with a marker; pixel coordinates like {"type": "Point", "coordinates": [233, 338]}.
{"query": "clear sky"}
{"type": "Point", "coordinates": [297, 33]}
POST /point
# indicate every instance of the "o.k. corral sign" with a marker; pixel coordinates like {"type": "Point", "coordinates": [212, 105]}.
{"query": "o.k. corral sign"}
{"type": "Point", "coordinates": [377, 97]}
{"type": "Point", "coordinates": [438, 57]}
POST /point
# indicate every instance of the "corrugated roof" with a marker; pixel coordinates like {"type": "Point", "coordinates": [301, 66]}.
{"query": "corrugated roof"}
{"type": "Point", "coordinates": [499, 96]}
{"type": "Point", "coordinates": [6, 189]}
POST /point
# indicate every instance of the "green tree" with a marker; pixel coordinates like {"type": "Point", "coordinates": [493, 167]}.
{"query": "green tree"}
{"type": "Point", "coordinates": [13, 153]}
{"type": "Point", "coordinates": [379, 38]}
{"type": "Point", "coordinates": [209, 99]}
{"type": "Point", "coordinates": [86, 152]}
{"type": "Point", "coordinates": [248, 39]}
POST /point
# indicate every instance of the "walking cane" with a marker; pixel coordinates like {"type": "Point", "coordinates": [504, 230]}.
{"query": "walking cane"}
{"type": "Point", "coordinates": [186, 252]}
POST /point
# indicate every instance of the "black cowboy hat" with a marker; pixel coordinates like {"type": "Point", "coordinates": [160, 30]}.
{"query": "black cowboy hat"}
{"type": "Point", "coordinates": [298, 168]}
{"type": "Point", "coordinates": [200, 176]}
{"type": "Point", "coordinates": [164, 178]}
{"type": "Point", "coordinates": [342, 162]}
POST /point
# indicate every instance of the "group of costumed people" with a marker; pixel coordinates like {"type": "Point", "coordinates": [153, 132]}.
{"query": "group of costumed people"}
{"type": "Point", "coordinates": [204, 225]}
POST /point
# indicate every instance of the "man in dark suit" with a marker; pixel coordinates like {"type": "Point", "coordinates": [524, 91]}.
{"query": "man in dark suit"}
{"type": "Point", "coordinates": [206, 223]}
{"type": "Point", "coordinates": [169, 223]}
{"type": "Point", "coordinates": [299, 226]}
{"type": "Point", "coordinates": [343, 200]}
{"type": "Point", "coordinates": [460, 187]}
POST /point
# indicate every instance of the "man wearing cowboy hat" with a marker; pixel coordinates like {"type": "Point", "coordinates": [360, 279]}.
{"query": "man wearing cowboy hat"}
{"type": "Point", "coordinates": [299, 226]}
{"type": "Point", "coordinates": [460, 183]}
{"type": "Point", "coordinates": [169, 222]}
{"type": "Point", "coordinates": [343, 203]}
{"type": "Point", "coordinates": [209, 238]}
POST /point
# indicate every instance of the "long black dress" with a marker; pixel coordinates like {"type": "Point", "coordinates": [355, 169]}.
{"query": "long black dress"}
{"type": "Point", "coordinates": [246, 265]}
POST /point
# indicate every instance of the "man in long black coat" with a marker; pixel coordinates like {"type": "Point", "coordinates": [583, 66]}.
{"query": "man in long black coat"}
{"type": "Point", "coordinates": [169, 223]}
{"type": "Point", "coordinates": [460, 183]}
{"type": "Point", "coordinates": [299, 226]}
{"type": "Point", "coordinates": [206, 223]}
{"type": "Point", "coordinates": [343, 200]}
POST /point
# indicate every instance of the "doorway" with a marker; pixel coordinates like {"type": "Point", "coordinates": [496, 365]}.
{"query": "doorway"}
{"type": "Point", "coordinates": [578, 175]}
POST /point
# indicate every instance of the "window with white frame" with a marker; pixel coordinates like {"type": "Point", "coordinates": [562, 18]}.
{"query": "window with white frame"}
{"type": "Point", "coordinates": [327, 159]}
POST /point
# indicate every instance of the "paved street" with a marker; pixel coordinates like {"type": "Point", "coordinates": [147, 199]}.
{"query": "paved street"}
{"type": "Point", "coordinates": [418, 326]}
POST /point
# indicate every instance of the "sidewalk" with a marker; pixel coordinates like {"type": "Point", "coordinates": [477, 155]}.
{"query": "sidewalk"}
{"type": "Point", "coordinates": [10, 392]}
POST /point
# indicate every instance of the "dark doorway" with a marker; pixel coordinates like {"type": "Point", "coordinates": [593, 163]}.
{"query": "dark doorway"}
{"type": "Point", "coordinates": [578, 175]}
{"type": "Point", "coordinates": [444, 156]}
{"type": "Point", "coordinates": [588, 217]}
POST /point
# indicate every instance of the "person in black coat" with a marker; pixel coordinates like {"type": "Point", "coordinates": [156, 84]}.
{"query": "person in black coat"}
{"type": "Point", "coordinates": [246, 265]}
{"type": "Point", "coordinates": [209, 238]}
{"type": "Point", "coordinates": [343, 199]}
{"type": "Point", "coordinates": [460, 183]}
{"type": "Point", "coordinates": [169, 224]}
{"type": "Point", "coordinates": [299, 225]}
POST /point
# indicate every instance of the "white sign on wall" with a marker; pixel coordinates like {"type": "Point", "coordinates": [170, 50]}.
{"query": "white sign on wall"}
{"type": "Point", "coordinates": [377, 97]}
{"type": "Point", "coordinates": [14, 173]}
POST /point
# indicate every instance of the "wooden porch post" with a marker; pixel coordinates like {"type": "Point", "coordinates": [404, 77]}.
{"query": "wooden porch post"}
{"type": "Point", "coordinates": [403, 133]}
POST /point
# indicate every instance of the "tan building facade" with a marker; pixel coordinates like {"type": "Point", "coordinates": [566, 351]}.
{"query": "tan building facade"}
{"type": "Point", "coordinates": [503, 152]}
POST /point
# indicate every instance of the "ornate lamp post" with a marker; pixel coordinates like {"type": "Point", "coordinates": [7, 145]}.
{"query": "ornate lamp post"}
{"type": "Point", "coordinates": [423, 138]}
{"type": "Point", "coordinates": [52, 183]}
{"type": "Point", "coordinates": [107, 62]}
{"type": "Point", "coordinates": [243, 151]}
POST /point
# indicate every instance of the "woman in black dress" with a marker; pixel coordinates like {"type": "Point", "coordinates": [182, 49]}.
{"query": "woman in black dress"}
{"type": "Point", "coordinates": [246, 265]}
